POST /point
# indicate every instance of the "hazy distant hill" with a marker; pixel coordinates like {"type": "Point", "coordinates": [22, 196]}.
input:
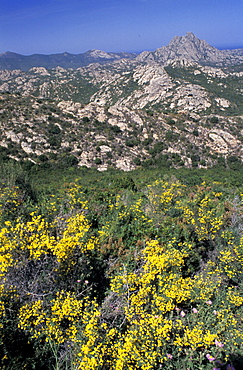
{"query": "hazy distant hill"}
{"type": "Point", "coordinates": [13, 61]}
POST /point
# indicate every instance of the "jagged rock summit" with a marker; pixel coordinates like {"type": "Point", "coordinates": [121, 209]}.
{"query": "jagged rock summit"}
{"type": "Point", "coordinates": [189, 47]}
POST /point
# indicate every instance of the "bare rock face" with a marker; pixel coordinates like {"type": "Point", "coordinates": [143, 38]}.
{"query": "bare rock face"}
{"type": "Point", "coordinates": [190, 97]}
{"type": "Point", "coordinates": [40, 70]}
{"type": "Point", "coordinates": [222, 141]}
{"type": "Point", "coordinates": [13, 136]}
{"type": "Point", "coordinates": [4, 87]}
{"type": "Point", "coordinates": [85, 160]}
{"type": "Point", "coordinates": [26, 148]}
{"type": "Point", "coordinates": [214, 72]}
{"type": "Point", "coordinates": [190, 47]}
{"type": "Point", "coordinates": [224, 103]}
{"type": "Point", "coordinates": [156, 86]}
{"type": "Point", "coordinates": [151, 79]}
{"type": "Point", "coordinates": [69, 106]}
{"type": "Point", "coordinates": [105, 149]}
{"type": "Point", "coordinates": [6, 74]}
{"type": "Point", "coordinates": [182, 63]}
{"type": "Point", "coordinates": [125, 164]}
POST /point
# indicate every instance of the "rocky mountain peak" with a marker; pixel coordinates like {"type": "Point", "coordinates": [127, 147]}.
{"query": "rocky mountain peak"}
{"type": "Point", "coordinates": [192, 48]}
{"type": "Point", "coordinates": [189, 37]}
{"type": "Point", "coordinates": [188, 47]}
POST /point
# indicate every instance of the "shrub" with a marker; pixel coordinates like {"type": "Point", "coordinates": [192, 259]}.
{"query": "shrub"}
{"type": "Point", "coordinates": [131, 142]}
{"type": "Point", "coordinates": [86, 120]}
{"type": "Point", "coordinates": [214, 119]}
{"type": "Point", "coordinates": [170, 121]}
{"type": "Point", "coordinates": [147, 141]}
{"type": "Point", "coordinates": [98, 161]}
{"type": "Point", "coordinates": [116, 129]}
{"type": "Point", "coordinates": [171, 136]}
{"type": "Point", "coordinates": [137, 161]}
{"type": "Point", "coordinates": [53, 129]}
{"type": "Point", "coordinates": [195, 132]}
{"type": "Point", "coordinates": [55, 141]}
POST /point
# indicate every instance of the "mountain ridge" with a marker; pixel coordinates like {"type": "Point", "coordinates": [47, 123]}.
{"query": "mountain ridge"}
{"type": "Point", "coordinates": [11, 61]}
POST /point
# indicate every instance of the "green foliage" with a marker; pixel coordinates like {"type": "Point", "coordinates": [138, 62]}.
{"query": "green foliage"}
{"type": "Point", "coordinates": [171, 136]}
{"type": "Point", "coordinates": [147, 141]}
{"type": "Point", "coordinates": [53, 129]}
{"type": "Point", "coordinates": [234, 163]}
{"type": "Point", "coordinates": [137, 161]}
{"type": "Point", "coordinates": [157, 148]}
{"type": "Point", "coordinates": [43, 158]}
{"type": "Point", "coordinates": [195, 160]}
{"type": "Point", "coordinates": [214, 119]}
{"type": "Point", "coordinates": [132, 142]}
{"type": "Point", "coordinates": [170, 121]}
{"type": "Point", "coordinates": [98, 161]}
{"type": "Point", "coordinates": [150, 112]}
{"type": "Point", "coordinates": [230, 90]}
{"type": "Point", "coordinates": [116, 129]}
{"type": "Point", "coordinates": [55, 141]}
{"type": "Point", "coordinates": [67, 161]}
{"type": "Point", "coordinates": [125, 182]}
{"type": "Point", "coordinates": [117, 270]}
{"type": "Point", "coordinates": [195, 132]}
{"type": "Point", "coordinates": [86, 120]}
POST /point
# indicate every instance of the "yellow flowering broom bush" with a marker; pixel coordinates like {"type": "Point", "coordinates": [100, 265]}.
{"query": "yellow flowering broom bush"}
{"type": "Point", "coordinates": [169, 321]}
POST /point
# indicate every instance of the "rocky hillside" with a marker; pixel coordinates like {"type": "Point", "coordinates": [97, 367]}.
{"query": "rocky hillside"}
{"type": "Point", "coordinates": [181, 105]}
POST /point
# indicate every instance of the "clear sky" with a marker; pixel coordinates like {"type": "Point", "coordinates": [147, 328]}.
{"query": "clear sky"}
{"type": "Point", "coordinates": [75, 26]}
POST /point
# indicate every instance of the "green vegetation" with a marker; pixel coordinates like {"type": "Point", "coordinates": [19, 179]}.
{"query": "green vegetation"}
{"type": "Point", "coordinates": [107, 271]}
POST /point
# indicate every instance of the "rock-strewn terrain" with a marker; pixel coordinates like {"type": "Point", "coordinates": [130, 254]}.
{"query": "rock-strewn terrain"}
{"type": "Point", "coordinates": [170, 107]}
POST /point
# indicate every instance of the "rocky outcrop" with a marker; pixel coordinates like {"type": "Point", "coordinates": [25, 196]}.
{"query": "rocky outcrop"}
{"type": "Point", "coordinates": [190, 97]}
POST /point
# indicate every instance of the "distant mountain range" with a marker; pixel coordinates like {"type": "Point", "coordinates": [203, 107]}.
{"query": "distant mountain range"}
{"type": "Point", "coordinates": [188, 47]}
{"type": "Point", "coordinates": [13, 61]}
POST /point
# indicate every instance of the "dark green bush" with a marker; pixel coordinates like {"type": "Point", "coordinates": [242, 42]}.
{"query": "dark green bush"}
{"type": "Point", "coordinates": [98, 161]}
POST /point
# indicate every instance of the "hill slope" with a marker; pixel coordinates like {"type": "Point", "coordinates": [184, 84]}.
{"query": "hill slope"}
{"type": "Point", "coordinates": [162, 108]}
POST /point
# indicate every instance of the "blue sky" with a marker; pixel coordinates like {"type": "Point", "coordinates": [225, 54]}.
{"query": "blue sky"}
{"type": "Point", "coordinates": [75, 26]}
